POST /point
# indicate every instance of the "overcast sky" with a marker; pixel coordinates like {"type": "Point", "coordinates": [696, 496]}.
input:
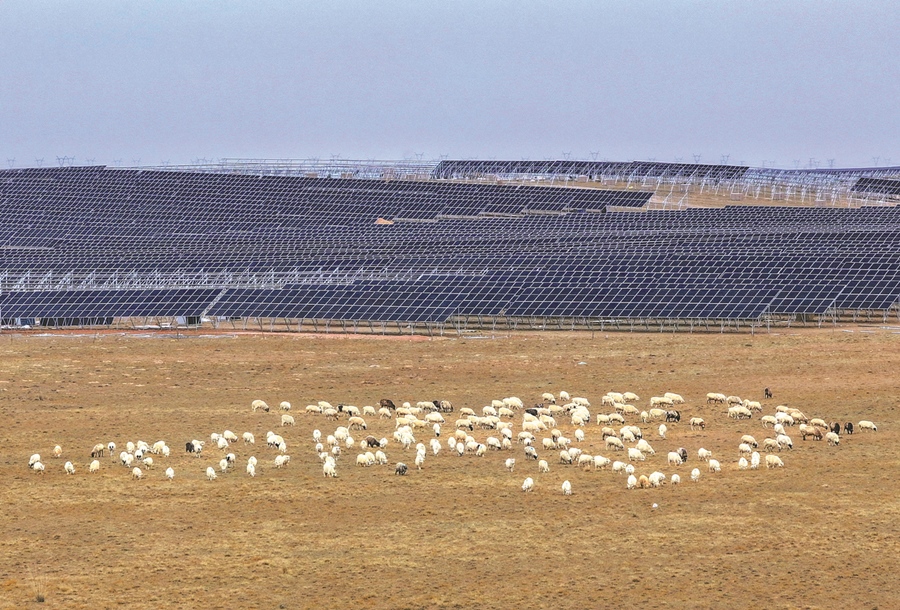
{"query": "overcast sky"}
{"type": "Point", "coordinates": [764, 82]}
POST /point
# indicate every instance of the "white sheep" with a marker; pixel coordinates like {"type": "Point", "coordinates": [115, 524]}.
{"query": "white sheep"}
{"type": "Point", "coordinates": [704, 454]}
{"type": "Point", "coordinates": [170, 473]}
{"type": "Point", "coordinates": [674, 458]}
{"type": "Point", "coordinates": [768, 419]}
{"type": "Point", "coordinates": [223, 464]}
{"type": "Point", "coordinates": [222, 443]}
{"type": "Point", "coordinates": [252, 460]}
{"type": "Point", "coordinates": [579, 435]}
{"type": "Point", "coordinates": [94, 467]}
{"type": "Point", "coordinates": [773, 461]}
{"type": "Point", "coordinates": [127, 459]}
{"type": "Point", "coordinates": [635, 454]}
{"type": "Point", "coordinates": [129, 447]}
{"type": "Point", "coordinates": [567, 488]}
{"type": "Point", "coordinates": [832, 438]}
{"type": "Point", "coordinates": [867, 425]}
{"type": "Point", "coordinates": [136, 473]}
{"type": "Point", "coordinates": [230, 436]}
{"type": "Point", "coordinates": [528, 485]}
{"type": "Point", "coordinates": [754, 460]}
{"type": "Point", "coordinates": [287, 420]}
{"type": "Point", "coordinates": [657, 479]}
{"type": "Point", "coordinates": [632, 482]}
{"type": "Point", "coordinates": [629, 468]}
{"type": "Point", "coordinates": [675, 479]}
{"type": "Point", "coordinates": [744, 449]}
{"type": "Point", "coordinates": [34, 459]}
{"type": "Point", "coordinates": [148, 462]}
{"type": "Point", "coordinates": [57, 451]}
{"type": "Point", "coordinates": [645, 447]}
{"type": "Point", "coordinates": [743, 464]}
{"type": "Point", "coordinates": [285, 405]}
{"type": "Point", "coordinates": [248, 438]}
{"type": "Point", "coordinates": [328, 470]}
{"type": "Point", "coordinates": [282, 460]}
{"type": "Point", "coordinates": [111, 447]}
{"type": "Point", "coordinates": [695, 475]}
{"type": "Point", "coordinates": [714, 466]}
{"type": "Point", "coordinates": [601, 462]}
{"type": "Point", "coordinates": [259, 404]}
{"type": "Point", "coordinates": [210, 473]}
{"type": "Point", "coordinates": [785, 441]}
{"type": "Point", "coordinates": [69, 467]}
{"type": "Point", "coordinates": [543, 466]}
{"type": "Point", "coordinates": [381, 457]}
{"type": "Point", "coordinates": [662, 431]}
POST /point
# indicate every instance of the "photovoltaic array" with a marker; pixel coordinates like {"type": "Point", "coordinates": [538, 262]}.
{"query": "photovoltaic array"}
{"type": "Point", "coordinates": [96, 244]}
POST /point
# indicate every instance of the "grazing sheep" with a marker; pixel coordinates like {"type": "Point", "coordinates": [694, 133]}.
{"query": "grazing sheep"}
{"type": "Point", "coordinates": [170, 473]}
{"type": "Point", "coordinates": [697, 422]}
{"type": "Point", "coordinates": [98, 450]}
{"type": "Point", "coordinates": [528, 485]}
{"type": "Point", "coordinates": [601, 462]}
{"type": "Point", "coordinates": [223, 464]}
{"type": "Point", "coordinates": [833, 439]}
{"type": "Point", "coordinates": [530, 453]}
{"type": "Point", "coordinates": [675, 398]}
{"type": "Point", "coordinates": [632, 482]}
{"type": "Point", "coordinates": [675, 479]}
{"type": "Point", "coordinates": [69, 467]}
{"type": "Point", "coordinates": [38, 467]}
{"type": "Point", "coordinates": [401, 469]}
{"type": "Point", "coordinates": [743, 464]}
{"type": "Point", "coordinates": [249, 438]}
{"type": "Point", "coordinates": [615, 444]}
{"type": "Point", "coordinates": [657, 479]}
{"type": "Point", "coordinates": [567, 488]}
{"type": "Point", "coordinates": [136, 473]}
{"type": "Point", "coordinates": [785, 441]}
{"type": "Point", "coordinates": [714, 466]}
{"type": "Point", "coordinates": [230, 436]}
{"type": "Point", "coordinates": [543, 466]}
{"type": "Point", "coordinates": [867, 425]}
{"type": "Point", "coordinates": [715, 397]}
{"type": "Point", "coordinates": [768, 419]}
{"type": "Point", "coordinates": [94, 467]}
{"type": "Point", "coordinates": [57, 451]}
{"type": "Point", "coordinates": [645, 447]}
{"type": "Point", "coordinates": [749, 440]}
{"type": "Point", "coordinates": [564, 457]}
{"type": "Point", "coordinates": [127, 459]}
{"type": "Point", "coordinates": [674, 459]}
{"type": "Point", "coordinates": [773, 461]}
{"type": "Point", "coordinates": [635, 454]}
{"type": "Point", "coordinates": [210, 473]}
{"type": "Point", "coordinates": [643, 481]}
{"type": "Point", "coordinates": [328, 470]}
{"type": "Point", "coordinates": [34, 459]}
{"type": "Point", "coordinates": [259, 404]}
{"type": "Point", "coordinates": [695, 475]}
{"type": "Point", "coordinates": [147, 462]}
{"type": "Point", "coordinates": [744, 449]}
{"type": "Point", "coordinates": [287, 420]}
{"type": "Point", "coordinates": [285, 405]}
{"type": "Point", "coordinates": [848, 428]}
{"type": "Point", "coordinates": [618, 467]}
{"type": "Point", "coordinates": [704, 454]}
{"type": "Point", "coordinates": [662, 431]}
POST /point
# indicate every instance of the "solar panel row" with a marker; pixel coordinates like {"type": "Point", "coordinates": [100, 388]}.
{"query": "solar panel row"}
{"type": "Point", "coordinates": [99, 243]}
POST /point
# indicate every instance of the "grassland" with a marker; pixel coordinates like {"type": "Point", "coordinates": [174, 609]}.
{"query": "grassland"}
{"type": "Point", "coordinates": [822, 533]}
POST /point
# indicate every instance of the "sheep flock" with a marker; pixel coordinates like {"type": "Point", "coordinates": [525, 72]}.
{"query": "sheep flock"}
{"type": "Point", "coordinates": [636, 444]}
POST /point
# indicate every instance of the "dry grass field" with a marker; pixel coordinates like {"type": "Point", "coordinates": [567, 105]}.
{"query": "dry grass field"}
{"type": "Point", "coordinates": [821, 533]}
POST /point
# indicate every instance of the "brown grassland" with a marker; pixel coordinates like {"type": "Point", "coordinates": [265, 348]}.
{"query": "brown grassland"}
{"type": "Point", "coordinates": [824, 532]}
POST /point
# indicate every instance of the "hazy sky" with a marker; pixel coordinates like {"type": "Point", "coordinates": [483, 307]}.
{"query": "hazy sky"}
{"type": "Point", "coordinates": [765, 82]}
